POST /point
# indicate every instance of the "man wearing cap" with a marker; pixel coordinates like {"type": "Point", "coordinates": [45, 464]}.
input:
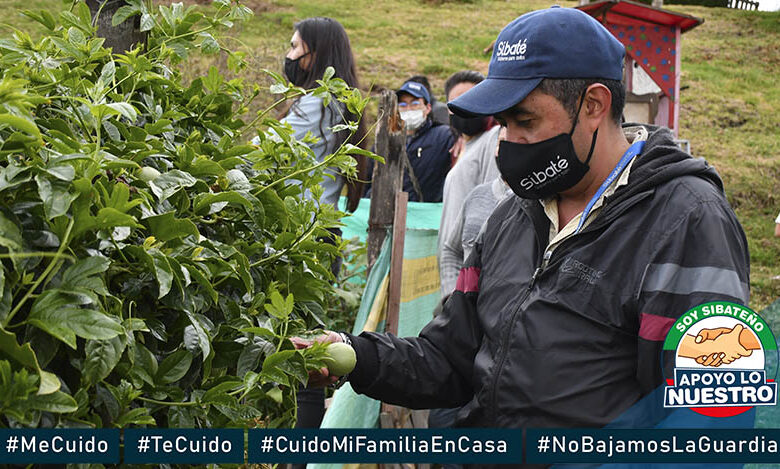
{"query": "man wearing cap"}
{"type": "Point", "coordinates": [560, 313]}
{"type": "Point", "coordinates": [427, 145]}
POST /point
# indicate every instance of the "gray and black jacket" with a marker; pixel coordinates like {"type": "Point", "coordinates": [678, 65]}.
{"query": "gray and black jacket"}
{"type": "Point", "coordinates": [575, 340]}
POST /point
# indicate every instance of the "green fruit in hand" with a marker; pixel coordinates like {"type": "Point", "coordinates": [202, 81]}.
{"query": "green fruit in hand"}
{"type": "Point", "coordinates": [340, 358]}
{"type": "Point", "coordinates": [148, 174]}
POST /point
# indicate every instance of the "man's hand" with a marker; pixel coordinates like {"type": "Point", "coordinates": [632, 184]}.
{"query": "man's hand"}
{"type": "Point", "coordinates": [729, 344]}
{"type": "Point", "coordinates": [715, 347]}
{"type": "Point", "coordinates": [321, 378]}
{"type": "Point", "coordinates": [711, 334]}
{"type": "Point", "coordinates": [457, 148]}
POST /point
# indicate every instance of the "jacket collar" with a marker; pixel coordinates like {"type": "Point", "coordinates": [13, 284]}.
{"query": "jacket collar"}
{"type": "Point", "coordinates": [423, 128]}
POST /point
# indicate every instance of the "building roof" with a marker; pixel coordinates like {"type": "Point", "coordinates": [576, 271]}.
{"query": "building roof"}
{"type": "Point", "coordinates": [628, 12]}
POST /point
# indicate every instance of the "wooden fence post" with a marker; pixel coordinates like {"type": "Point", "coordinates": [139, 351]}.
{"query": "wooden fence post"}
{"type": "Point", "coordinates": [388, 178]}
{"type": "Point", "coordinates": [388, 210]}
{"type": "Point", "coordinates": [396, 264]}
{"type": "Point", "coordinates": [122, 37]}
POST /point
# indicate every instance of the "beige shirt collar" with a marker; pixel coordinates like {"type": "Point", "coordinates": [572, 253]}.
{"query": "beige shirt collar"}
{"type": "Point", "coordinates": [633, 134]}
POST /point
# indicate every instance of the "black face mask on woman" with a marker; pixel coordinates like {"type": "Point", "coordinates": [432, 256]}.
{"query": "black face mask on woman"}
{"type": "Point", "coordinates": [470, 126]}
{"type": "Point", "coordinates": [543, 169]}
{"type": "Point", "coordinates": [293, 70]}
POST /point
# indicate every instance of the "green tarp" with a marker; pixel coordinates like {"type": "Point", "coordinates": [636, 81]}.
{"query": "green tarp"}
{"type": "Point", "coordinates": [419, 297]}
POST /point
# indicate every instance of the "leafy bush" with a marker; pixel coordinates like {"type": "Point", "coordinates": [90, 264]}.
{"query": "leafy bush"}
{"type": "Point", "coordinates": [153, 265]}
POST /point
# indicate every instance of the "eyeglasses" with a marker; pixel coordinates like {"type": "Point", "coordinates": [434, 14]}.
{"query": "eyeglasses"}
{"type": "Point", "coordinates": [415, 103]}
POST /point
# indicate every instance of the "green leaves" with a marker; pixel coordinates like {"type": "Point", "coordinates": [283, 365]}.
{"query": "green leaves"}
{"type": "Point", "coordinates": [170, 183]}
{"type": "Point", "coordinates": [174, 367]}
{"type": "Point", "coordinates": [10, 234]}
{"type": "Point", "coordinates": [55, 195]}
{"type": "Point", "coordinates": [123, 109]}
{"type": "Point", "coordinates": [208, 45]}
{"type": "Point", "coordinates": [285, 367]}
{"type": "Point", "coordinates": [101, 358]}
{"type": "Point", "coordinates": [21, 123]}
{"type": "Point", "coordinates": [44, 17]}
{"type": "Point", "coordinates": [175, 287]}
{"type": "Point", "coordinates": [25, 356]}
{"type": "Point", "coordinates": [133, 7]}
{"type": "Point", "coordinates": [57, 313]}
{"type": "Point", "coordinates": [57, 402]}
{"type": "Point", "coordinates": [166, 227]}
{"type": "Point", "coordinates": [84, 274]}
{"type": "Point", "coordinates": [280, 307]}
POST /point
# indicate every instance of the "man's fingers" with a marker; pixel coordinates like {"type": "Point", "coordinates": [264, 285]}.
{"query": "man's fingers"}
{"type": "Point", "coordinates": [706, 334]}
{"type": "Point", "coordinates": [300, 343]}
{"type": "Point", "coordinates": [327, 337]}
{"type": "Point", "coordinates": [703, 360]}
{"type": "Point", "coordinates": [713, 359]}
{"type": "Point", "coordinates": [710, 334]}
{"type": "Point", "coordinates": [320, 378]}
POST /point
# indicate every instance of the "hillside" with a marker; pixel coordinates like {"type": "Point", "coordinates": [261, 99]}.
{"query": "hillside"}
{"type": "Point", "coordinates": [729, 68]}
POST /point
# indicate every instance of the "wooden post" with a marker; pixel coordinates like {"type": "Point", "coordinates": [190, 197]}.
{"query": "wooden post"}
{"type": "Point", "coordinates": [393, 416]}
{"type": "Point", "coordinates": [388, 178]}
{"type": "Point", "coordinates": [396, 263]}
{"type": "Point", "coordinates": [122, 37]}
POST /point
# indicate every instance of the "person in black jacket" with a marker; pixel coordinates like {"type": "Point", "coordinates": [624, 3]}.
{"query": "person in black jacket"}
{"type": "Point", "coordinates": [560, 313]}
{"type": "Point", "coordinates": [427, 145]}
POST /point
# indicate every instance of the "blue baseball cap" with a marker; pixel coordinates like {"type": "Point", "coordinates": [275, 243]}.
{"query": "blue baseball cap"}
{"type": "Point", "coordinates": [415, 89]}
{"type": "Point", "coordinates": [552, 43]}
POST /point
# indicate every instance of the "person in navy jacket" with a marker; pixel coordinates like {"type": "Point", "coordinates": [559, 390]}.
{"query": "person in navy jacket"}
{"type": "Point", "coordinates": [427, 145]}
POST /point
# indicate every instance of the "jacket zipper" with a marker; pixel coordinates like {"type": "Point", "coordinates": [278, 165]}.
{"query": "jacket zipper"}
{"type": "Point", "coordinates": [546, 257]}
{"type": "Point", "coordinates": [508, 332]}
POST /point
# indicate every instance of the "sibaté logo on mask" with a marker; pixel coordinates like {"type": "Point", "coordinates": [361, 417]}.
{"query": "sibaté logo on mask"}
{"type": "Point", "coordinates": [538, 179]}
{"type": "Point", "coordinates": [530, 173]}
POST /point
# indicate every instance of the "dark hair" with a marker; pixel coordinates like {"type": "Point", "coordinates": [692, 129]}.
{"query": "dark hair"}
{"type": "Point", "coordinates": [423, 80]}
{"type": "Point", "coordinates": [569, 90]}
{"type": "Point", "coordinates": [329, 46]}
{"type": "Point", "coordinates": [464, 76]}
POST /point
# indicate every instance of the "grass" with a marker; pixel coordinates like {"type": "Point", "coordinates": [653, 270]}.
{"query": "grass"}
{"type": "Point", "coordinates": [730, 115]}
{"type": "Point", "coordinates": [729, 110]}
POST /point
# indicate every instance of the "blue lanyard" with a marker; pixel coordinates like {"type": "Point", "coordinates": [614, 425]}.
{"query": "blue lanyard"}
{"type": "Point", "coordinates": [629, 155]}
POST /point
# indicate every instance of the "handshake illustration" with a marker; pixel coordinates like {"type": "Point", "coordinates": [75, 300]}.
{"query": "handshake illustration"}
{"type": "Point", "coordinates": [715, 347]}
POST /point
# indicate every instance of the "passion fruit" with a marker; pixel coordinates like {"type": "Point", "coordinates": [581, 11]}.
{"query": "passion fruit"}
{"type": "Point", "coordinates": [340, 359]}
{"type": "Point", "coordinates": [148, 174]}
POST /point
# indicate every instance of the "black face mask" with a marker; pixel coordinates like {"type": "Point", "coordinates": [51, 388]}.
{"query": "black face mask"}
{"type": "Point", "coordinates": [470, 126]}
{"type": "Point", "coordinates": [293, 70]}
{"type": "Point", "coordinates": [543, 169]}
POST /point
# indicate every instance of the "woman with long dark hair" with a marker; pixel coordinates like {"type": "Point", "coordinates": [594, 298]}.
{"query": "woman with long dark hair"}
{"type": "Point", "coordinates": [318, 43]}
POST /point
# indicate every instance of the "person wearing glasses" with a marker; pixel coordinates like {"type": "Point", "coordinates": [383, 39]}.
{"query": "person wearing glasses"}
{"type": "Point", "coordinates": [427, 145]}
